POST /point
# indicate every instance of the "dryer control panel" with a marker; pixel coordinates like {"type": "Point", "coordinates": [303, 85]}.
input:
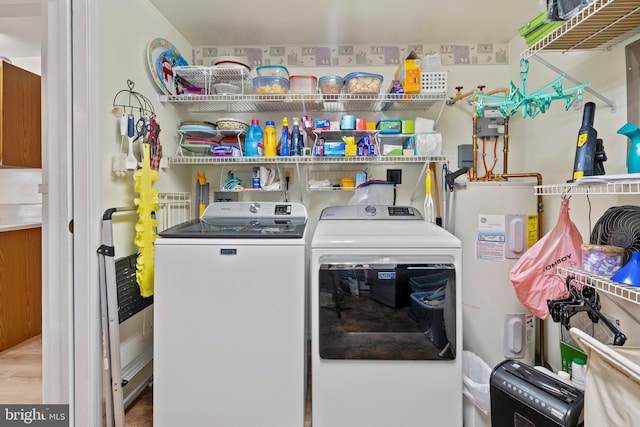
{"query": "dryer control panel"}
{"type": "Point", "coordinates": [380, 212]}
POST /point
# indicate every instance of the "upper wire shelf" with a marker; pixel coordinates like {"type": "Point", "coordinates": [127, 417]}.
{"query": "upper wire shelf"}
{"type": "Point", "coordinates": [372, 160]}
{"type": "Point", "coordinates": [628, 187]}
{"type": "Point", "coordinates": [600, 25]}
{"type": "Point", "coordinates": [246, 103]}
{"type": "Point", "coordinates": [626, 292]}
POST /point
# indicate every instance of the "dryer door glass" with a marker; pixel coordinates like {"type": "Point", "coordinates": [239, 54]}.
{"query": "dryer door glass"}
{"type": "Point", "coordinates": [392, 312]}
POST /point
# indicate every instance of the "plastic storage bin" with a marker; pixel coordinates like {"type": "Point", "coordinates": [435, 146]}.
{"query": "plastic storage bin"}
{"type": "Point", "coordinates": [430, 316]}
{"type": "Point", "coordinates": [269, 85]}
{"type": "Point", "coordinates": [330, 85]}
{"type": "Point", "coordinates": [433, 81]}
{"type": "Point", "coordinates": [303, 84]}
{"type": "Point", "coordinates": [429, 282]}
{"type": "Point", "coordinates": [602, 259]}
{"type": "Point", "coordinates": [392, 285]}
{"type": "Point", "coordinates": [363, 83]}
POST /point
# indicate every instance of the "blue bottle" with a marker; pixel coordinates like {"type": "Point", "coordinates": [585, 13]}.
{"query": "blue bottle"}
{"type": "Point", "coordinates": [253, 140]}
{"type": "Point", "coordinates": [285, 149]}
{"type": "Point", "coordinates": [296, 145]}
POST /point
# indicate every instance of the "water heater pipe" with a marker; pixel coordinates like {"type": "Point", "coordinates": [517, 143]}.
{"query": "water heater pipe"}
{"type": "Point", "coordinates": [474, 140]}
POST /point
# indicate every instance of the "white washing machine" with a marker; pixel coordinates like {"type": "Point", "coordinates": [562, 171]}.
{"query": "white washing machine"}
{"type": "Point", "coordinates": [386, 319]}
{"type": "Point", "coordinates": [229, 314]}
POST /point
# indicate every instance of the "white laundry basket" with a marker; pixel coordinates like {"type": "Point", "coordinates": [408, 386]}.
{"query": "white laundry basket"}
{"type": "Point", "coordinates": [612, 394]}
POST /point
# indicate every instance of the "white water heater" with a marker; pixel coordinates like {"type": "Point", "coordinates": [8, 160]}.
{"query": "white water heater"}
{"type": "Point", "coordinates": [496, 222]}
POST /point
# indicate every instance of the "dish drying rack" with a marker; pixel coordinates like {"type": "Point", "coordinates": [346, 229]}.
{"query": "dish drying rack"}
{"type": "Point", "coordinates": [217, 138]}
{"type": "Point", "coordinates": [205, 77]}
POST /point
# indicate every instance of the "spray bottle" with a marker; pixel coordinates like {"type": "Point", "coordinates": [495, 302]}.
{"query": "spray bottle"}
{"type": "Point", "coordinates": [587, 141]}
{"type": "Point", "coordinates": [632, 132]}
{"type": "Point", "coordinates": [296, 146]}
{"type": "Point", "coordinates": [285, 150]}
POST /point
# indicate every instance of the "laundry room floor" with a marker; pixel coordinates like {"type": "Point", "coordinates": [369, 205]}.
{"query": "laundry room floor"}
{"type": "Point", "coordinates": [21, 382]}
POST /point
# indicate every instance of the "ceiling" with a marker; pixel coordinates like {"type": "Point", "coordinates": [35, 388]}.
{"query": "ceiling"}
{"type": "Point", "coordinates": [276, 22]}
{"type": "Point", "coordinates": [255, 22]}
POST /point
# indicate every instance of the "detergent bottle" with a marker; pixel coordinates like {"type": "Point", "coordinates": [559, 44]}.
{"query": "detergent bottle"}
{"type": "Point", "coordinates": [270, 139]}
{"type": "Point", "coordinates": [253, 140]}
{"type": "Point", "coordinates": [632, 132]}
{"type": "Point", "coordinates": [296, 145]}
{"type": "Point", "coordinates": [285, 149]}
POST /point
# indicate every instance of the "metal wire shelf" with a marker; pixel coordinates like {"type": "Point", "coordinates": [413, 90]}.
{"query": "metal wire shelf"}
{"type": "Point", "coordinates": [600, 25]}
{"type": "Point", "coordinates": [602, 283]}
{"type": "Point", "coordinates": [630, 187]}
{"type": "Point", "coordinates": [246, 103]}
{"type": "Point", "coordinates": [372, 160]}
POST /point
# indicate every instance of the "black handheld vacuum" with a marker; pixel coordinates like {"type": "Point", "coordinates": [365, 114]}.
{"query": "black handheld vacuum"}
{"type": "Point", "coordinates": [590, 153]}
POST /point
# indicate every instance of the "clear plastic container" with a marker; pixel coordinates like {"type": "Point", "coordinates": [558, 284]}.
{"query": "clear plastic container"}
{"type": "Point", "coordinates": [273, 70]}
{"type": "Point", "coordinates": [601, 259]}
{"type": "Point", "coordinates": [303, 84]}
{"type": "Point", "coordinates": [363, 83]}
{"type": "Point", "coordinates": [270, 85]}
{"type": "Point", "coordinates": [330, 85]}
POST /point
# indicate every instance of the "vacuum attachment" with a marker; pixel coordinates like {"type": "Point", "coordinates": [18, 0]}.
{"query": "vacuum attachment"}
{"type": "Point", "coordinates": [587, 143]}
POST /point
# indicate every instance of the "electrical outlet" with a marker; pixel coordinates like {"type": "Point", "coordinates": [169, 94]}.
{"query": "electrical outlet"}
{"type": "Point", "coordinates": [288, 172]}
{"type": "Point", "coordinates": [394, 175]}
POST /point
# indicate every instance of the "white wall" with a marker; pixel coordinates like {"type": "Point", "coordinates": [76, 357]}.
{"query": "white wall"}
{"type": "Point", "coordinates": [127, 27]}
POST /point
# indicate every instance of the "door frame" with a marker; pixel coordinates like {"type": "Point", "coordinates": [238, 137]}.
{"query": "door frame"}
{"type": "Point", "coordinates": [71, 201]}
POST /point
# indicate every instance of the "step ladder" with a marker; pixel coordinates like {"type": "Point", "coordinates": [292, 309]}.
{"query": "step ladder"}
{"type": "Point", "coordinates": [119, 300]}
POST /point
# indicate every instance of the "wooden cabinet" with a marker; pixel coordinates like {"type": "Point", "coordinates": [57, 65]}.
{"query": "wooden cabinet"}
{"type": "Point", "coordinates": [20, 286]}
{"type": "Point", "coordinates": [20, 117]}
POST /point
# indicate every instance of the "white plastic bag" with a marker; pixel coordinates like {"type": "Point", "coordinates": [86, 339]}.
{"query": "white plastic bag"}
{"type": "Point", "coordinates": [374, 193]}
{"type": "Point", "coordinates": [476, 375]}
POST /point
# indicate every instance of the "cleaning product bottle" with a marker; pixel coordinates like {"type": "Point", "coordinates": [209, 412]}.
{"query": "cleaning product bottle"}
{"type": "Point", "coordinates": [285, 149]}
{"type": "Point", "coordinates": [296, 149]}
{"type": "Point", "coordinates": [578, 373]}
{"type": "Point", "coordinates": [587, 140]}
{"type": "Point", "coordinates": [253, 140]}
{"type": "Point", "coordinates": [632, 132]}
{"type": "Point", "coordinates": [270, 139]}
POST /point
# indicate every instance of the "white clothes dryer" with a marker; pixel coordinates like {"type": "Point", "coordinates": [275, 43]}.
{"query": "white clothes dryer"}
{"type": "Point", "coordinates": [386, 319]}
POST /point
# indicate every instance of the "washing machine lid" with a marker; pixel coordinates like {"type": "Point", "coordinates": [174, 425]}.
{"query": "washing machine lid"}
{"type": "Point", "coordinates": [382, 227]}
{"type": "Point", "coordinates": [245, 220]}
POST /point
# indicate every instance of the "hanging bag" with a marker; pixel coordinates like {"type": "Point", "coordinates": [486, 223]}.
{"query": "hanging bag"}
{"type": "Point", "coordinates": [535, 276]}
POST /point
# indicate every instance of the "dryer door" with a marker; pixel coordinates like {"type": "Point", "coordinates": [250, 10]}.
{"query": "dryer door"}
{"type": "Point", "coordinates": [386, 311]}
